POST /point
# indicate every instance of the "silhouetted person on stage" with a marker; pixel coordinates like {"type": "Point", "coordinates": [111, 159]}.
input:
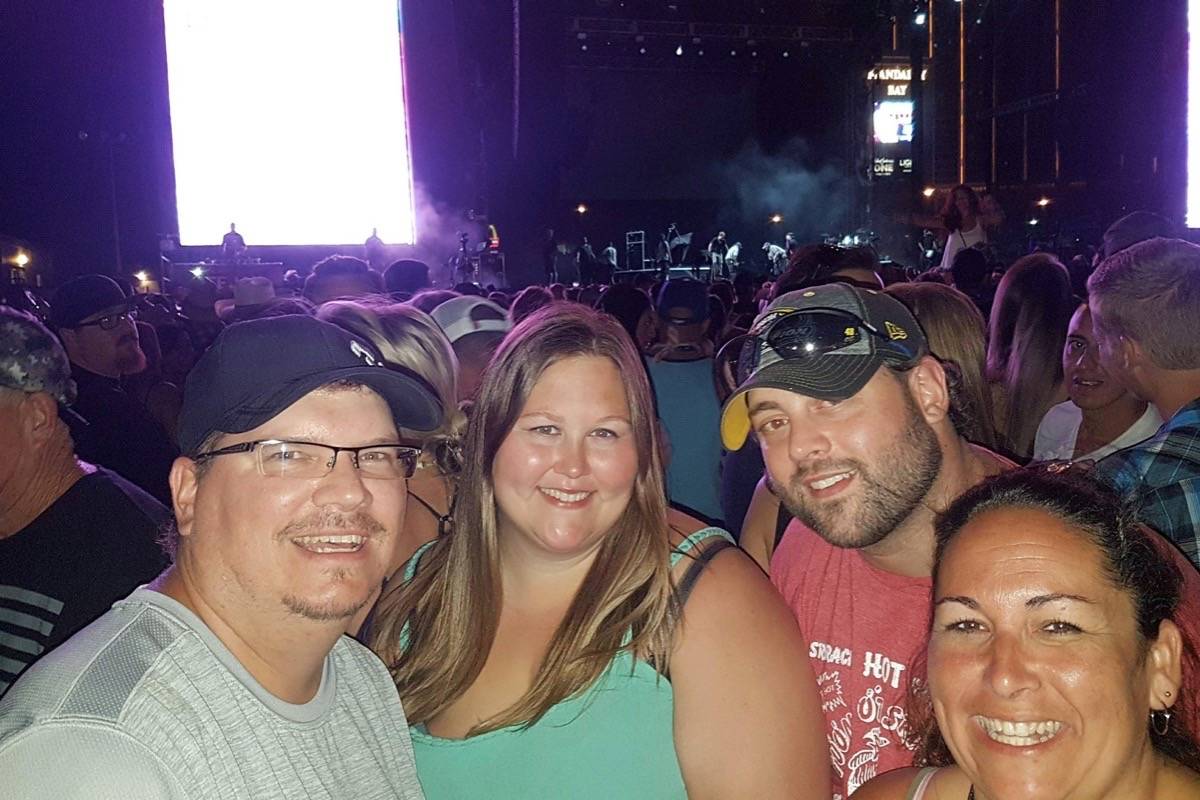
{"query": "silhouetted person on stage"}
{"type": "Point", "coordinates": [233, 246]}
{"type": "Point", "coordinates": [585, 257]}
{"type": "Point", "coordinates": [549, 254]}
{"type": "Point", "coordinates": [375, 250]}
{"type": "Point", "coordinates": [718, 249]}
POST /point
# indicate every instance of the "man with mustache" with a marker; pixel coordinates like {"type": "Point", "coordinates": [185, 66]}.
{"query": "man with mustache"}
{"type": "Point", "coordinates": [229, 676]}
{"type": "Point", "coordinates": [854, 419]}
{"type": "Point", "coordinates": [95, 322]}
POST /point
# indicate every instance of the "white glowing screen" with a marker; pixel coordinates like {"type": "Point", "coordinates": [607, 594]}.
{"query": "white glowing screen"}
{"type": "Point", "coordinates": [1193, 117]}
{"type": "Point", "coordinates": [893, 121]}
{"type": "Point", "coordinates": [288, 118]}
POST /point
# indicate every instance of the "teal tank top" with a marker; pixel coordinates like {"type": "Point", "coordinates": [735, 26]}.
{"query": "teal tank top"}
{"type": "Point", "coordinates": [616, 739]}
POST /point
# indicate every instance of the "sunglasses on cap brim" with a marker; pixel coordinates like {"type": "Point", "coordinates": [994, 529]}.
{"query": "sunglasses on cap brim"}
{"type": "Point", "coordinates": [796, 335]}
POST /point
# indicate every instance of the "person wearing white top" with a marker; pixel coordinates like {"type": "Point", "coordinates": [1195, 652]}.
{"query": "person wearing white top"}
{"type": "Point", "coordinates": [1102, 416]}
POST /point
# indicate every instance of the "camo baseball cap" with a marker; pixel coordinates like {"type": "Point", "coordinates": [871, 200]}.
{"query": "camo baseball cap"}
{"type": "Point", "coordinates": [31, 358]}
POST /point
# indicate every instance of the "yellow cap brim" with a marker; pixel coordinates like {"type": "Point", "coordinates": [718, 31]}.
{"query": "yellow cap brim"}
{"type": "Point", "coordinates": [735, 422]}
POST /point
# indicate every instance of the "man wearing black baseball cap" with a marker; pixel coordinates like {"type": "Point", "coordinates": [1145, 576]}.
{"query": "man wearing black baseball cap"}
{"type": "Point", "coordinates": [230, 675]}
{"type": "Point", "coordinates": [95, 322]}
{"type": "Point", "coordinates": [852, 414]}
{"type": "Point", "coordinates": [680, 366]}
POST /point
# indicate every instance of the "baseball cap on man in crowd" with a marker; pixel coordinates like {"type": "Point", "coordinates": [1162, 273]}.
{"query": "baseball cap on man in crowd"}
{"type": "Point", "coordinates": [824, 342]}
{"type": "Point", "coordinates": [256, 369]}
{"type": "Point", "coordinates": [682, 301]}
{"type": "Point", "coordinates": [86, 296]}
{"type": "Point", "coordinates": [467, 314]}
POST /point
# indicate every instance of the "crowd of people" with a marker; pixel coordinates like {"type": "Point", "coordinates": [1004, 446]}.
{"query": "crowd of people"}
{"type": "Point", "coordinates": [825, 535]}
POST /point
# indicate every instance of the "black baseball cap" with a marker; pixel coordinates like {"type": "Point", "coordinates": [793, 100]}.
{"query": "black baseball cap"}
{"type": "Point", "coordinates": [85, 296]}
{"type": "Point", "coordinates": [683, 301]}
{"type": "Point", "coordinates": [258, 368]}
{"type": "Point", "coordinates": [833, 375]}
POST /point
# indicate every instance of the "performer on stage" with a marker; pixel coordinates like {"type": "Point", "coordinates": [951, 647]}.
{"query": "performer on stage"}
{"type": "Point", "coordinates": [718, 249]}
{"type": "Point", "coordinates": [233, 246]}
{"type": "Point", "coordinates": [585, 260]}
{"type": "Point", "coordinates": [776, 257]}
{"type": "Point", "coordinates": [549, 254]}
{"type": "Point", "coordinates": [375, 251]}
{"type": "Point", "coordinates": [790, 244]}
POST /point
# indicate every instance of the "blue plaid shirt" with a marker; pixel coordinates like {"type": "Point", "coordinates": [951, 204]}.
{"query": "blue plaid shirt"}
{"type": "Point", "coordinates": [1162, 476]}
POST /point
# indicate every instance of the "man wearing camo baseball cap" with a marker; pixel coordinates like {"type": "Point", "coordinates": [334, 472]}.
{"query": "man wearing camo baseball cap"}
{"type": "Point", "coordinates": [74, 538]}
{"type": "Point", "coordinates": [852, 414]}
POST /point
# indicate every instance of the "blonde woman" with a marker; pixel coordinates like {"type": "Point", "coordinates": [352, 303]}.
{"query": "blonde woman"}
{"type": "Point", "coordinates": [562, 640]}
{"type": "Point", "coordinates": [409, 338]}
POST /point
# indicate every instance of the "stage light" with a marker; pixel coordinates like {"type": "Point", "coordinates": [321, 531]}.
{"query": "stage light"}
{"type": "Point", "coordinates": [928, 191]}
{"type": "Point", "coordinates": [581, 208]}
{"type": "Point", "coordinates": [583, 47]}
{"type": "Point", "coordinates": [786, 54]}
{"type": "Point", "coordinates": [1043, 202]}
{"type": "Point", "coordinates": [733, 52]}
{"type": "Point", "coordinates": [142, 276]}
{"type": "Point", "coordinates": [197, 272]}
{"type": "Point", "coordinates": [679, 50]}
{"type": "Point", "coordinates": [1033, 221]}
{"type": "Point", "coordinates": [919, 18]}
{"type": "Point", "coordinates": [22, 258]}
{"type": "Point", "coordinates": [776, 218]}
{"type": "Point", "coordinates": [642, 50]}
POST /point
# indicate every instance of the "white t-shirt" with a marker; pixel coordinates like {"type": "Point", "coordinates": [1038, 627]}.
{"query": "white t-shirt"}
{"type": "Point", "coordinates": [147, 704]}
{"type": "Point", "coordinates": [1055, 439]}
{"type": "Point", "coordinates": [961, 240]}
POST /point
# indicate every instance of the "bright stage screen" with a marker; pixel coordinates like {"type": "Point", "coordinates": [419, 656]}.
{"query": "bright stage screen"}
{"type": "Point", "coordinates": [893, 121]}
{"type": "Point", "coordinates": [288, 118]}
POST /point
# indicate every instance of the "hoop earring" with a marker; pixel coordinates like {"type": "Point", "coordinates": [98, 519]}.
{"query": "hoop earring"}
{"type": "Point", "coordinates": [1160, 721]}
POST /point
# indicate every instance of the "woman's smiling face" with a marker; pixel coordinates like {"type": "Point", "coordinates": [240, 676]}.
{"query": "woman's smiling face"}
{"type": "Point", "coordinates": [1039, 677]}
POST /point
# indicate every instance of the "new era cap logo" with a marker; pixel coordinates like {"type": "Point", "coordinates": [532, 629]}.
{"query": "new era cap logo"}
{"type": "Point", "coordinates": [364, 354]}
{"type": "Point", "coordinates": [894, 331]}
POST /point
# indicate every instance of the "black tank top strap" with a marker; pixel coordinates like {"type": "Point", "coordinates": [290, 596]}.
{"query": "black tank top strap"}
{"type": "Point", "coordinates": [683, 589]}
{"type": "Point", "coordinates": [782, 520]}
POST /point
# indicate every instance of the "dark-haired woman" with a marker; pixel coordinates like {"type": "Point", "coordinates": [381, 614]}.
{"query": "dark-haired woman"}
{"type": "Point", "coordinates": [1061, 660]}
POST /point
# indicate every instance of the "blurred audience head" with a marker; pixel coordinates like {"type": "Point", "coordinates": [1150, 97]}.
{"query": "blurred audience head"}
{"type": "Point", "coordinates": [1145, 303]}
{"type": "Point", "coordinates": [1028, 326]}
{"type": "Point", "coordinates": [957, 336]}
{"type": "Point", "coordinates": [406, 275]}
{"type": "Point", "coordinates": [340, 276]}
{"type": "Point", "coordinates": [529, 300]}
{"type": "Point", "coordinates": [475, 327]}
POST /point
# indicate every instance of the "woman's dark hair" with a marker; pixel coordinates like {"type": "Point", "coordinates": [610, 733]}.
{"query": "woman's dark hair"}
{"type": "Point", "coordinates": [1136, 560]}
{"type": "Point", "coordinates": [951, 218]}
{"type": "Point", "coordinates": [627, 304]}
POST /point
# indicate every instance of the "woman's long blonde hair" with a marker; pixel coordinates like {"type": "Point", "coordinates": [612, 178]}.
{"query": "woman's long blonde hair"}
{"type": "Point", "coordinates": [410, 338]}
{"type": "Point", "coordinates": [449, 611]}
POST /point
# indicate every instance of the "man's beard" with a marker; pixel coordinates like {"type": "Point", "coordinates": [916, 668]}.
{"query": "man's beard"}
{"type": "Point", "coordinates": [129, 358]}
{"type": "Point", "coordinates": [333, 609]}
{"type": "Point", "coordinates": [908, 471]}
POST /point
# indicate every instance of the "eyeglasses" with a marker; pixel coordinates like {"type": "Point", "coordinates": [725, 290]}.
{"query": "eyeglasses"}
{"type": "Point", "coordinates": [797, 334]}
{"type": "Point", "coordinates": [110, 321]}
{"type": "Point", "coordinates": [281, 459]}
